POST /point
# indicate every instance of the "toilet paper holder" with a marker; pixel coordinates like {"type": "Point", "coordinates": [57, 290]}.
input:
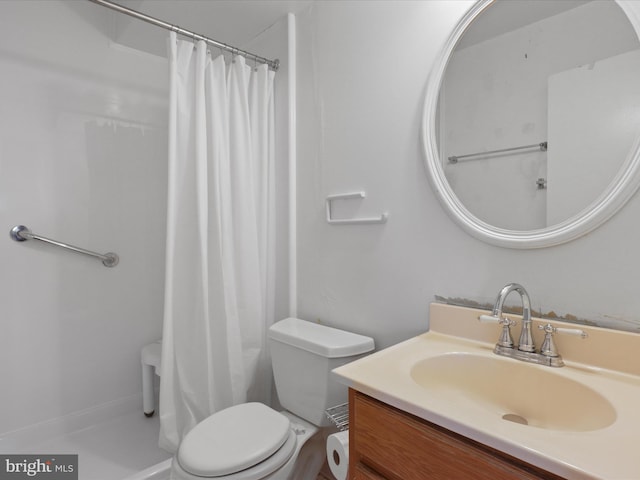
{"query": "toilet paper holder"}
{"type": "Point", "coordinates": [339, 416]}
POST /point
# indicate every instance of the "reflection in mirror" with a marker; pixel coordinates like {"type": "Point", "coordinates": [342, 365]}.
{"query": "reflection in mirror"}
{"type": "Point", "coordinates": [563, 73]}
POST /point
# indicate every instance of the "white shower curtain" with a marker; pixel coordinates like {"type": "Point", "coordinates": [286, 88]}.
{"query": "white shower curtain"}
{"type": "Point", "coordinates": [219, 260]}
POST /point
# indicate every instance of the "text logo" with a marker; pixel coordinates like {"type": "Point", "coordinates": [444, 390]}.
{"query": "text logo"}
{"type": "Point", "coordinates": [49, 467]}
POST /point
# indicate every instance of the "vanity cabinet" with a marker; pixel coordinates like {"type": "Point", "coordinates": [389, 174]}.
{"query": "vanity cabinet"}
{"type": "Point", "coordinates": [388, 444]}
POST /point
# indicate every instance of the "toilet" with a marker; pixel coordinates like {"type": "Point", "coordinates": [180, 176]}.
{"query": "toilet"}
{"type": "Point", "coordinates": [251, 441]}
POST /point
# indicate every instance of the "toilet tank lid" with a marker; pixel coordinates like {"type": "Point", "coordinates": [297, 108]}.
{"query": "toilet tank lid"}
{"type": "Point", "coordinates": [320, 339]}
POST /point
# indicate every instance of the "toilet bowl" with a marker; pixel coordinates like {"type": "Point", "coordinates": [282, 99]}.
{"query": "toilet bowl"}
{"type": "Point", "coordinates": [251, 441]}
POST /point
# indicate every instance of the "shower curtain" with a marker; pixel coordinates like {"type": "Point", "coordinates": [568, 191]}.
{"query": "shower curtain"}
{"type": "Point", "coordinates": [219, 259]}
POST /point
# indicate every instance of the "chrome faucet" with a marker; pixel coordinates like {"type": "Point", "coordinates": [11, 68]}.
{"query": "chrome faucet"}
{"type": "Point", "coordinates": [526, 350]}
{"type": "Point", "coordinates": [525, 343]}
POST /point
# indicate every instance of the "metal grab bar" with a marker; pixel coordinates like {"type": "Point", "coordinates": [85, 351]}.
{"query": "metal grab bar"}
{"type": "Point", "coordinates": [20, 233]}
{"type": "Point", "coordinates": [542, 146]}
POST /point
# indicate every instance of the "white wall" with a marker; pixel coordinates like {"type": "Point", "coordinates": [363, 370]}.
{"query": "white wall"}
{"type": "Point", "coordinates": [82, 160]}
{"type": "Point", "coordinates": [363, 70]}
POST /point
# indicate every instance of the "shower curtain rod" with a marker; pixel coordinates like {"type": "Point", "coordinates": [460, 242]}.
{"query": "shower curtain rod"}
{"type": "Point", "coordinates": [273, 64]}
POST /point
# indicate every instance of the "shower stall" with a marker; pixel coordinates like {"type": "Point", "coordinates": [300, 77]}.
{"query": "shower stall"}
{"type": "Point", "coordinates": [83, 159]}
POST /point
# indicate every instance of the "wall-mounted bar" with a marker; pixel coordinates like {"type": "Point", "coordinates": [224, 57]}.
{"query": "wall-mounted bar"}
{"type": "Point", "coordinates": [345, 196]}
{"type": "Point", "coordinates": [273, 64]}
{"type": "Point", "coordinates": [542, 146]}
{"type": "Point", "coordinates": [20, 233]}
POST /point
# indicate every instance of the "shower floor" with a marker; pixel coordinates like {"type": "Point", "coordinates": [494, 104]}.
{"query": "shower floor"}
{"type": "Point", "coordinates": [114, 449]}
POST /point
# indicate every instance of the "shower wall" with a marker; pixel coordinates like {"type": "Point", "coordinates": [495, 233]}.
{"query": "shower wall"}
{"type": "Point", "coordinates": [82, 160]}
{"type": "Point", "coordinates": [83, 143]}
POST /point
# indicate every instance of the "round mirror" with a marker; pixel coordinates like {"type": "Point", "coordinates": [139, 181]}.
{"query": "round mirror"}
{"type": "Point", "coordinates": [531, 122]}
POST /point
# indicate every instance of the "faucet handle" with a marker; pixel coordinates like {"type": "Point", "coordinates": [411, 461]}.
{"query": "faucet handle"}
{"type": "Point", "coordinates": [549, 346]}
{"type": "Point", "coordinates": [576, 332]}
{"type": "Point", "coordinates": [500, 321]}
{"type": "Point", "coordinates": [505, 339]}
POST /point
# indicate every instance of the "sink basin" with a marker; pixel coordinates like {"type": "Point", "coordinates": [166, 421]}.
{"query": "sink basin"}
{"type": "Point", "coordinates": [528, 394]}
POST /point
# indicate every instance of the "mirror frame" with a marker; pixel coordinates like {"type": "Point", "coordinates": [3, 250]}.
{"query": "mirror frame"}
{"type": "Point", "coordinates": [619, 191]}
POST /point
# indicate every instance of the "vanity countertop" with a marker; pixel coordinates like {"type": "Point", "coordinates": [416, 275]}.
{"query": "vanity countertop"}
{"type": "Point", "coordinates": [605, 362]}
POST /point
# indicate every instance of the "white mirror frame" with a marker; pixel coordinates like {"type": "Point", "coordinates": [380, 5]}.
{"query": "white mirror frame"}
{"type": "Point", "coordinates": [621, 189]}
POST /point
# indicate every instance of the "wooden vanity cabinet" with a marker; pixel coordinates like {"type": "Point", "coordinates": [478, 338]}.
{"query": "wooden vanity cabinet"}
{"type": "Point", "coordinates": [388, 444]}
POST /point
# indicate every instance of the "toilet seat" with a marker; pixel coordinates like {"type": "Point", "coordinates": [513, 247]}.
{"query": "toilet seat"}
{"type": "Point", "coordinates": [247, 441]}
{"type": "Point", "coordinates": [262, 470]}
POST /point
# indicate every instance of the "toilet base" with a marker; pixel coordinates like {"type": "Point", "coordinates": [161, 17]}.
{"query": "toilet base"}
{"type": "Point", "coordinates": [310, 459]}
{"type": "Point", "coordinates": [304, 464]}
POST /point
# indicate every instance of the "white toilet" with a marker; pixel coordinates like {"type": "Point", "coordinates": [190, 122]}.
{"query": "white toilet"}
{"type": "Point", "coordinates": [254, 442]}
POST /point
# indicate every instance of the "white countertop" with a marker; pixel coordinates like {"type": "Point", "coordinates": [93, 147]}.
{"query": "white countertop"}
{"type": "Point", "coordinates": [608, 453]}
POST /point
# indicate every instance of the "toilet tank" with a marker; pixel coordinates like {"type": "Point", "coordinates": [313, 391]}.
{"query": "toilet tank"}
{"type": "Point", "coordinates": [303, 354]}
